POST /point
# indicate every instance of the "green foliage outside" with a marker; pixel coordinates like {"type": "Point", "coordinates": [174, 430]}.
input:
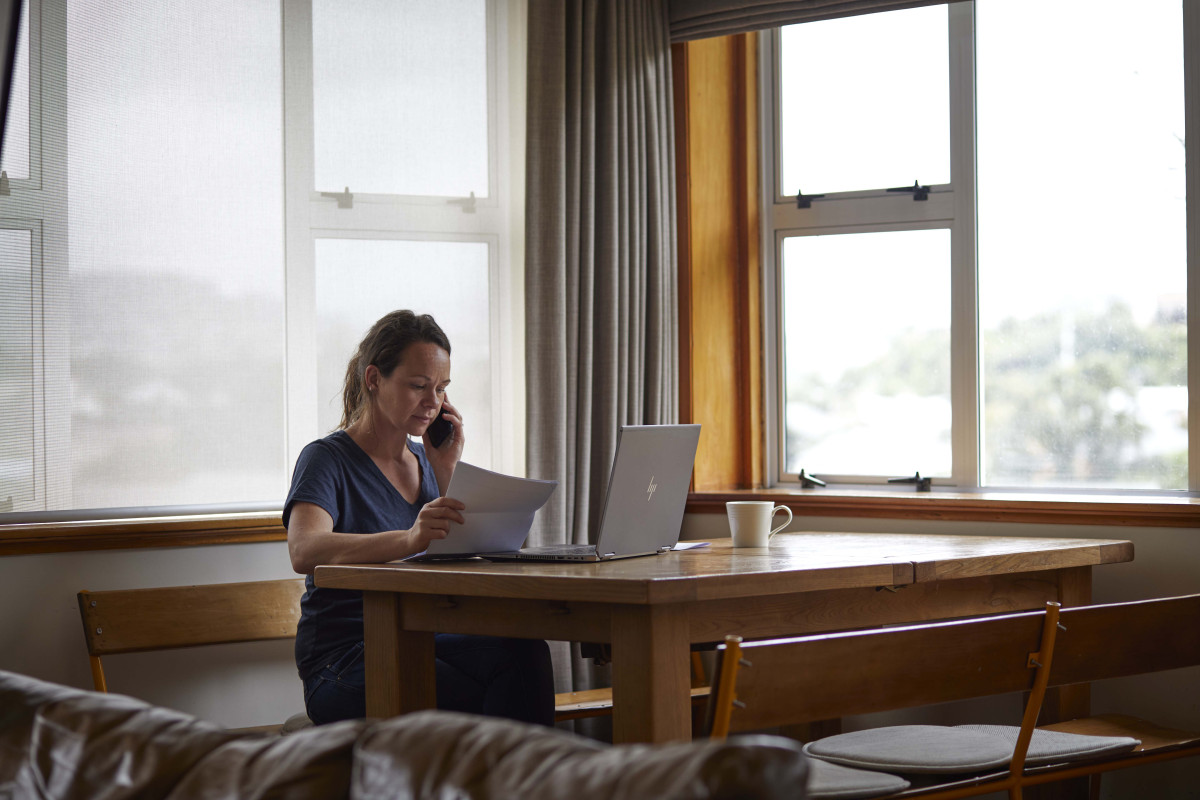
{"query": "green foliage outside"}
{"type": "Point", "coordinates": [1058, 417]}
{"type": "Point", "coordinates": [1065, 400]}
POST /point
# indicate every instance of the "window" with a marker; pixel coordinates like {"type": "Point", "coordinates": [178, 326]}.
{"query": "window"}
{"type": "Point", "coordinates": [210, 203]}
{"type": "Point", "coordinates": [423, 217]}
{"type": "Point", "coordinates": [363, 279]}
{"type": "Point", "coordinates": [839, 405]}
{"type": "Point", "coordinates": [1103, 333]}
{"type": "Point", "coordinates": [977, 236]}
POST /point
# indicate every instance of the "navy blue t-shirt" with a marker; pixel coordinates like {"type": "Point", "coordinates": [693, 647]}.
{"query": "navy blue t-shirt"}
{"type": "Point", "coordinates": [335, 474]}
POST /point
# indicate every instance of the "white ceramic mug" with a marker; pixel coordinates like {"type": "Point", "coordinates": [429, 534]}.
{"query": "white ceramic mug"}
{"type": "Point", "coordinates": [750, 521]}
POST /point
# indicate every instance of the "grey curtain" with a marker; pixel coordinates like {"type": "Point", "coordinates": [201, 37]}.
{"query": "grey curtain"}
{"type": "Point", "coordinates": [600, 265]}
{"type": "Point", "coordinates": [700, 19]}
{"type": "Point", "coordinates": [600, 269]}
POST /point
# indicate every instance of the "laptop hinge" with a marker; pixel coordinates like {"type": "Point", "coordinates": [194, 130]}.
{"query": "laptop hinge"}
{"type": "Point", "coordinates": [608, 555]}
{"type": "Point", "coordinates": [664, 549]}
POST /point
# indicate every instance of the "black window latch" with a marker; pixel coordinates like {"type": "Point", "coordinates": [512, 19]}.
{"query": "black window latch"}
{"type": "Point", "coordinates": [808, 481]}
{"type": "Point", "coordinates": [805, 200]}
{"type": "Point", "coordinates": [923, 484]}
{"type": "Point", "coordinates": [919, 192]}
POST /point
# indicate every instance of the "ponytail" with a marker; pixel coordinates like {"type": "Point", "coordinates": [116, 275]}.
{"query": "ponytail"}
{"type": "Point", "coordinates": [353, 401]}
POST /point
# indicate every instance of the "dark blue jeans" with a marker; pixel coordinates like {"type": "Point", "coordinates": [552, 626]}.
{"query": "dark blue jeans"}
{"type": "Point", "coordinates": [498, 677]}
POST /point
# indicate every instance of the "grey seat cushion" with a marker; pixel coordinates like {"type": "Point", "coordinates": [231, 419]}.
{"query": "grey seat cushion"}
{"type": "Point", "coordinates": [1052, 747]}
{"type": "Point", "coordinates": [829, 780]}
{"type": "Point", "coordinates": [296, 722]}
{"type": "Point", "coordinates": [917, 749]}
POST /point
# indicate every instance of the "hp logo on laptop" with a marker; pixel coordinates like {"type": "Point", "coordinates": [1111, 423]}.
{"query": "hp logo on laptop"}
{"type": "Point", "coordinates": [650, 489]}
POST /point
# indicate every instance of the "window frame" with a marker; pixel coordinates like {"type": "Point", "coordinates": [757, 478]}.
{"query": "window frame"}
{"type": "Point", "coordinates": [951, 205]}
{"type": "Point", "coordinates": [38, 204]}
{"type": "Point", "coordinates": [35, 204]}
{"type": "Point", "coordinates": [312, 216]}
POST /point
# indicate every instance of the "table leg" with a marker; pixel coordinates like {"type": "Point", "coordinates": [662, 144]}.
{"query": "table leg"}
{"type": "Point", "coordinates": [399, 664]}
{"type": "Point", "coordinates": [1067, 702]}
{"type": "Point", "coordinates": [1070, 702]}
{"type": "Point", "coordinates": [651, 675]}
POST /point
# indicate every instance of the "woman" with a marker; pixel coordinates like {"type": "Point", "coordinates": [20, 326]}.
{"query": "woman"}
{"type": "Point", "coordinates": [368, 493]}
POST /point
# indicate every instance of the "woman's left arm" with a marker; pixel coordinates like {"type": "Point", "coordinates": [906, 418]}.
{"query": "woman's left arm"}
{"type": "Point", "coordinates": [445, 458]}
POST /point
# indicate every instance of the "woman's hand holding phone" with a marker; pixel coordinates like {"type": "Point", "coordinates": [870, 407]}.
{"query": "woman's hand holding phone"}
{"type": "Point", "coordinates": [444, 456]}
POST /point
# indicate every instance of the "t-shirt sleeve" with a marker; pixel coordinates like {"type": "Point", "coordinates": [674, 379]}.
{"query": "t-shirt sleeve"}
{"type": "Point", "coordinates": [315, 480]}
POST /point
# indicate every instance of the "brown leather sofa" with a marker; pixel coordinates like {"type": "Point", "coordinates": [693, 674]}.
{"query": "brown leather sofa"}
{"type": "Point", "coordinates": [69, 744]}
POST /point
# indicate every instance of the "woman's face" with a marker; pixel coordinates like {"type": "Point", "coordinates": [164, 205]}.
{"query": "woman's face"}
{"type": "Point", "coordinates": [410, 398]}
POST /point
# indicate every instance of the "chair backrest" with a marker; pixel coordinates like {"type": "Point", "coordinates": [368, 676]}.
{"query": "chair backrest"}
{"type": "Point", "coordinates": [1120, 639]}
{"type": "Point", "coordinates": [808, 678]}
{"type": "Point", "coordinates": [140, 620]}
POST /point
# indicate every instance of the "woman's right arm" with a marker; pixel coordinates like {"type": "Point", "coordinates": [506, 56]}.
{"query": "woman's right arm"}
{"type": "Point", "coordinates": [312, 540]}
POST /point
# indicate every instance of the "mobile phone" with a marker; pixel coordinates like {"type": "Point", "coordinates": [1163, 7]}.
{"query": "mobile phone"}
{"type": "Point", "coordinates": [440, 429]}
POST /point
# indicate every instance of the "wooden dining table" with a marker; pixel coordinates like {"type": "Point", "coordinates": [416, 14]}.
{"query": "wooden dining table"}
{"type": "Point", "coordinates": [652, 609]}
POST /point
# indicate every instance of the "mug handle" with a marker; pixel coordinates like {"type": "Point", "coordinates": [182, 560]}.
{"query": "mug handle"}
{"type": "Point", "coordinates": [787, 522]}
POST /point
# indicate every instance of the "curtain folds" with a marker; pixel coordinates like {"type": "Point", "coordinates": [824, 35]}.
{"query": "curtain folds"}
{"type": "Point", "coordinates": [700, 19]}
{"type": "Point", "coordinates": [600, 271]}
{"type": "Point", "coordinates": [601, 322]}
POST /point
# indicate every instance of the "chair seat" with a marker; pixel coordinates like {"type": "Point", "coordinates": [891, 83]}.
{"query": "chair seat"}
{"type": "Point", "coordinates": [598, 702]}
{"type": "Point", "coordinates": [1056, 747]}
{"type": "Point", "coordinates": [916, 749]}
{"type": "Point", "coordinates": [1153, 738]}
{"type": "Point", "coordinates": [829, 781]}
{"type": "Point", "coordinates": [296, 722]}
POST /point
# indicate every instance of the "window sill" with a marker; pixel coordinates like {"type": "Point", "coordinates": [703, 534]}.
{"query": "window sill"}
{"type": "Point", "coordinates": [182, 531]}
{"type": "Point", "coordinates": [240, 528]}
{"type": "Point", "coordinates": [1059, 509]}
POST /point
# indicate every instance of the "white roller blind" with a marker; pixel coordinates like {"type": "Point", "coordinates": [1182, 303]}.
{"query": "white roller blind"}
{"type": "Point", "coordinates": [155, 310]}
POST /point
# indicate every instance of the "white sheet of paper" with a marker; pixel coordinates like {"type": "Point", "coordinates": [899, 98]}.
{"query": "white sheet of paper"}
{"type": "Point", "coordinates": [499, 511]}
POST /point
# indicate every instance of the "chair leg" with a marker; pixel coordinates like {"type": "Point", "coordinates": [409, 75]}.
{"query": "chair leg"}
{"type": "Point", "coordinates": [698, 676]}
{"type": "Point", "coordinates": [98, 674]}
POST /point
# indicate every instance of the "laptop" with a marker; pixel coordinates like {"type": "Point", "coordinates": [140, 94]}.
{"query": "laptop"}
{"type": "Point", "coordinates": [643, 508]}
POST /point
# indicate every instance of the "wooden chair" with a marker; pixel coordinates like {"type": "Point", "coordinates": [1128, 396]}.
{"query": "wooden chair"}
{"type": "Point", "coordinates": [774, 683]}
{"type": "Point", "coordinates": [778, 682]}
{"type": "Point", "coordinates": [143, 620]}
{"type": "Point", "coordinates": [1115, 641]}
{"type": "Point", "coordinates": [598, 702]}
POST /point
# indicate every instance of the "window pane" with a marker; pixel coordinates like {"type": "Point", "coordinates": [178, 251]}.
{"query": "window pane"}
{"type": "Point", "coordinates": [865, 102]}
{"type": "Point", "coordinates": [175, 220]}
{"type": "Point", "coordinates": [360, 280]}
{"type": "Point", "coordinates": [867, 353]}
{"type": "Point", "coordinates": [1082, 257]}
{"type": "Point", "coordinates": [16, 369]}
{"type": "Point", "coordinates": [384, 73]}
{"type": "Point", "coordinates": [15, 157]}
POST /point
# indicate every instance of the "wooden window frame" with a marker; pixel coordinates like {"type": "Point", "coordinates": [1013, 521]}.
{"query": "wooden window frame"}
{"type": "Point", "coordinates": [119, 534]}
{"type": "Point", "coordinates": [720, 313]}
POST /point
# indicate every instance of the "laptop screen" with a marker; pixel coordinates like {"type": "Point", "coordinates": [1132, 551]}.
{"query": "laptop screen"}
{"type": "Point", "coordinates": [648, 488]}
